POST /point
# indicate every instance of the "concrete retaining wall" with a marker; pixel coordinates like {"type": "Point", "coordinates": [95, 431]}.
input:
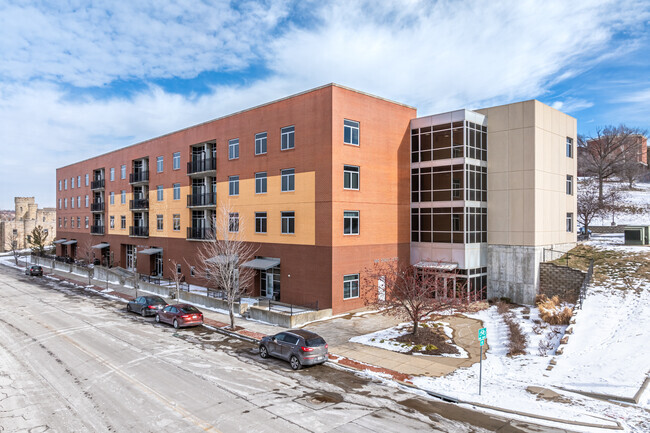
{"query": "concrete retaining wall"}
{"type": "Point", "coordinates": [607, 229]}
{"type": "Point", "coordinates": [562, 281]}
{"type": "Point", "coordinates": [286, 320]}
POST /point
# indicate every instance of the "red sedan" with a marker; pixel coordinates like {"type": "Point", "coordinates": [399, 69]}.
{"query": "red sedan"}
{"type": "Point", "coordinates": [180, 315]}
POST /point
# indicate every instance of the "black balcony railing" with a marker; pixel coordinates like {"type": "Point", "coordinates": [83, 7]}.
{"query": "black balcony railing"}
{"type": "Point", "coordinates": [97, 184]}
{"type": "Point", "coordinates": [139, 176]}
{"type": "Point", "coordinates": [97, 207]}
{"type": "Point", "coordinates": [200, 165]}
{"type": "Point", "coordinates": [139, 203]}
{"type": "Point", "coordinates": [204, 233]}
{"type": "Point", "coordinates": [207, 199]}
{"type": "Point", "coordinates": [139, 231]}
{"type": "Point", "coordinates": [97, 230]}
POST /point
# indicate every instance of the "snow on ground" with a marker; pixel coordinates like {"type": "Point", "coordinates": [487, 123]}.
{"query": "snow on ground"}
{"type": "Point", "coordinates": [640, 198]}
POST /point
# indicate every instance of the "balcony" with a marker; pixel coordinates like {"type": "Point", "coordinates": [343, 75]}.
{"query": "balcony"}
{"type": "Point", "coordinates": [97, 229]}
{"type": "Point", "coordinates": [139, 177]}
{"type": "Point", "coordinates": [139, 204]}
{"type": "Point", "coordinates": [141, 231]}
{"type": "Point", "coordinates": [97, 184]}
{"type": "Point", "coordinates": [207, 199]}
{"type": "Point", "coordinates": [197, 166]}
{"type": "Point", "coordinates": [97, 206]}
{"type": "Point", "coordinates": [200, 233]}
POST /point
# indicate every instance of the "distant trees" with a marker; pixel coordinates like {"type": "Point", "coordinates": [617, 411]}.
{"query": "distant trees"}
{"type": "Point", "coordinates": [13, 244]}
{"type": "Point", "coordinates": [591, 205]}
{"type": "Point", "coordinates": [612, 151]}
{"type": "Point", "coordinates": [411, 292]}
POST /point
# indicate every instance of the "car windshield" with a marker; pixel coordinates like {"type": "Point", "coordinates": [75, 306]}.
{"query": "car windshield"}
{"type": "Point", "coordinates": [316, 341]}
{"type": "Point", "coordinates": [189, 309]}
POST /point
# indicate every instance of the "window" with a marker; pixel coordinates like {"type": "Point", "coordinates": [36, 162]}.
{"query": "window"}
{"type": "Point", "coordinates": [350, 132]}
{"type": "Point", "coordinates": [455, 223]}
{"type": "Point", "coordinates": [123, 172]}
{"type": "Point", "coordinates": [78, 202]}
{"type": "Point", "coordinates": [86, 222]}
{"type": "Point", "coordinates": [123, 197]}
{"type": "Point", "coordinates": [288, 179]}
{"type": "Point", "coordinates": [86, 179]}
{"type": "Point", "coordinates": [112, 197]}
{"type": "Point", "coordinates": [569, 184]}
{"type": "Point", "coordinates": [191, 271]}
{"type": "Point", "coordinates": [79, 181]}
{"type": "Point", "coordinates": [287, 137]}
{"type": "Point", "coordinates": [260, 222]}
{"type": "Point", "coordinates": [65, 203]}
{"type": "Point", "coordinates": [350, 177]}
{"type": "Point", "coordinates": [233, 222]}
{"type": "Point", "coordinates": [72, 202]}
{"type": "Point", "coordinates": [569, 222]}
{"type": "Point", "coordinates": [351, 222]}
{"type": "Point", "coordinates": [65, 184]}
{"type": "Point", "coordinates": [60, 222]}
{"type": "Point", "coordinates": [159, 222]}
{"type": "Point", "coordinates": [159, 193]}
{"type": "Point", "coordinates": [71, 222]}
{"type": "Point", "coordinates": [112, 221]}
{"type": "Point", "coordinates": [233, 185]}
{"type": "Point", "coordinates": [260, 183]}
{"type": "Point", "coordinates": [176, 161]}
{"type": "Point", "coordinates": [233, 148]}
{"type": "Point", "coordinates": [112, 174]}
{"type": "Point", "coordinates": [60, 184]}
{"type": "Point", "coordinates": [72, 182]}
{"type": "Point", "coordinates": [177, 191]}
{"type": "Point", "coordinates": [65, 222]}
{"type": "Point", "coordinates": [179, 268]}
{"type": "Point", "coordinates": [569, 147]}
{"type": "Point", "coordinates": [159, 164]}
{"type": "Point", "coordinates": [351, 286]}
{"type": "Point", "coordinates": [60, 203]}
{"type": "Point", "coordinates": [288, 223]}
{"type": "Point", "coordinates": [78, 223]}
{"type": "Point", "coordinates": [260, 143]}
{"type": "Point", "coordinates": [123, 221]}
{"type": "Point", "coordinates": [86, 200]}
{"type": "Point", "coordinates": [177, 222]}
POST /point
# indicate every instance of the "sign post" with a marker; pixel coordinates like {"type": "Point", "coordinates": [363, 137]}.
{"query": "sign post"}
{"type": "Point", "coordinates": [482, 335]}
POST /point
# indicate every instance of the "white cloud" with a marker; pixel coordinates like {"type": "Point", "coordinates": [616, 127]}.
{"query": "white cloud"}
{"type": "Point", "coordinates": [435, 56]}
{"type": "Point", "coordinates": [571, 105]}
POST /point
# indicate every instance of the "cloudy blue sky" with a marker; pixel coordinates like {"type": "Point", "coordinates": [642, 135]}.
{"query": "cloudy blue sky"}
{"type": "Point", "coordinates": [79, 78]}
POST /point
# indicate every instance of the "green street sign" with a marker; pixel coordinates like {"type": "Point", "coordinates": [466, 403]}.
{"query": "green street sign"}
{"type": "Point", "coordinates": [482, 334]}
{"type": "Point", "coordinates": [482, 342]}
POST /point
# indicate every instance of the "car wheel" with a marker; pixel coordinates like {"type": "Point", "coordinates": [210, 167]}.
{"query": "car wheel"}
{"type": "Point", "coordinates": [142, 311]}
{"type": "Point", "coordinates": [264, 353]}
{"type": "Point", "coordinates": [128, 308]}
{"type": "Point", "coordinates": [157, 318]}
{"type": "Point", "coordinates": [175, 324]}
{"type": "Point", "coordinates": [295, 362]}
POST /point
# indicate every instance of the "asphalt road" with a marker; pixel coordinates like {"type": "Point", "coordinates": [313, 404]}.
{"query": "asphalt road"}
{"type": "Point", "coordinates": [73, 361]}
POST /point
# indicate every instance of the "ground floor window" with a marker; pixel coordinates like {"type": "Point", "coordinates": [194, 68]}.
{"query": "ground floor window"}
{"type": "Point", "coordinates": [270, 283]}
{"type": "Point", "coordinates": [350, 286]}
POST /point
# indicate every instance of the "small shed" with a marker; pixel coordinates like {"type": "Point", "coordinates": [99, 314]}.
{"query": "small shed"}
{"type": "Point", "coordinates": [637, 235]}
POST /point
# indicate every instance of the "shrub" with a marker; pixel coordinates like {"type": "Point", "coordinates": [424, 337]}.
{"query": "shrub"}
{"type": "Point", "coordinates": [381, 341]}
{"type": "Point", "coordinates": [430, 347]}
{"type": "Point", "coordinates": [551, 311]}
{"type": "Point", "coordinates": [417, 348]}
{"type": "Point", "coordinates": [503, 307]}
{"type": "Point", "coordinates": [424, 325]}
{"type": "Point", "coordinates": [537, 329]}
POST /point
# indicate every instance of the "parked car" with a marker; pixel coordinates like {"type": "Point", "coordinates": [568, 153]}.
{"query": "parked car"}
{"type": "Point", "coordinates": [298, 346]}
{"type": "Point", "coordinates": [180, 315]}
{"type": "Point", "coordinates": [146, 305]}
{"type": "Point", "coordinates": [34, 270]}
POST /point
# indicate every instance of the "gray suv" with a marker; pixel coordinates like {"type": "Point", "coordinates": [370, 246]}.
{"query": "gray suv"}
{"type": "Point", "coordinates": [297, 346]}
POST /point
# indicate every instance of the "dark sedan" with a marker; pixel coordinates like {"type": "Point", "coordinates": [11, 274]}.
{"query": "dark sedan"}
{"type": "Point", "coordinates": [298, 346]}
{"type": "Point", "coordinates": [34, 271]}
{"type": "Point", "coordinates": [180, 315]}
{"type": "Point", "coordinates": [146, 305]}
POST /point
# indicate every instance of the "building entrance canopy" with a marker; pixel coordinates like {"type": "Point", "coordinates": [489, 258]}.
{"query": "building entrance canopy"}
{"type": "Point", "coordinates": [438, 266]}
{"type": "Point", "coordinates": [60, 241]}
{"type": "Point", "coordinates": [262, 264]}
{"type": "Point", "coordinates": [70, 242]}
{"type": "Point", "coordinates": [151, 251]}
{"type": "Point", "coordinates": [101, 246]}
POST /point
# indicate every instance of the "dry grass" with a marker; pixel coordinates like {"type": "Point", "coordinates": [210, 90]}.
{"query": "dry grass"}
{"type": "Point", "coordinates": [551, 311]}
{"type": "Point", "coordinates": [517, 342]}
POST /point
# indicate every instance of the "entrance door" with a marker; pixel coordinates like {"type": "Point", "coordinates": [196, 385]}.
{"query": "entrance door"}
{"type": "Point", "coordinates": [158, 264]}
{"type": "Point", "coordinates": [381, 288]}
{"type": "Point", "coordinates": [129, 257]}
{"type": "Point", "coordinates": [269, 284]}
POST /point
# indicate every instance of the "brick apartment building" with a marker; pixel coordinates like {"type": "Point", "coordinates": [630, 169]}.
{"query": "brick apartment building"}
{"type": "Point", "coordinates": [328, 182]}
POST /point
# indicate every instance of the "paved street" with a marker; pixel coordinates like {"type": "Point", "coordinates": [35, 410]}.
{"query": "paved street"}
{"type": "Point", "coordinates": [71, 360]}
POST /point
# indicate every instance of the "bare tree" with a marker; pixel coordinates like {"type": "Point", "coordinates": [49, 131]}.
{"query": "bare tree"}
{"type": "Point", "coordinates": [13, 244]}
{"type": "Point", "coordinates": [177, 277]}
{"type": "Point", "coordinates": [87, 257]}
{"type": "Point", "coordinates": [413, 293]}
{"type": "Point", "coordinates": [604, 154]}
{"type": "Point", "coordinates": [38, 240]}
{"type": "Point", "coordinates": [589, 205]}
{"type": "Point", "coordinates": [221, 258]}
{"type": "Point", "coordinates": [631, 171]}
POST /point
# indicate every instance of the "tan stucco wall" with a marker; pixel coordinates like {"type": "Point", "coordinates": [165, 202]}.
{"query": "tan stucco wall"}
{"type": "Point", "coordinates": [527, 169]}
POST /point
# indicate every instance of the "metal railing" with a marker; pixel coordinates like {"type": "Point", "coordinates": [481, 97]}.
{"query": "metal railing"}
{"type": "Point", "coordinates": [97, 184]}
{"type": "Point", "coordinates": [585, 284]}
{"type": "Point", "coordinates": [97, 229]}
{"type": "Point", "coordinates": [284, 307]}
{"type": "Point", "coordinates": [142, 231]}
{"type": "Point", "coordinates": [97, 207]}
{"type": "Point", "coordinates": [201, 165]}
{"type": "Point", "coordinates": [162, 281]}
{"type": "Point", "coordinates": [139, 203]}
{"type": "Point", "coordinates": [200, 233]}
{"type": "Point", "coordinates": [206, 199]}
{"type": "Point", "coordinates": [139, 176]}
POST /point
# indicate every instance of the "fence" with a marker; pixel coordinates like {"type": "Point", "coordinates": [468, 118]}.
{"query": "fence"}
{"type": "Point", "coordinates": [153, 279]}
{"type": "Point", "coordinates": [284, 307]}
{"type": "Point", "coordinates": [585, 284]}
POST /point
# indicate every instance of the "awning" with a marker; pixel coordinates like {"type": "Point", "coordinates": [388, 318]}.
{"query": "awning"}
{"type": "Point", "coordinates": [71, 242]}
{"type": "Point", "coordinates": [60, 241]}
{"type": "Point", "coordinates": [440, 266]}
{"type": "Point", "coordinates": [100, 246]}
{"type": "Point", "coordinates": [222, 259]}
{"type": "Point", "coordinates": [262, 264]}
{"type": "Point", "coordinates": [150, 251]}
